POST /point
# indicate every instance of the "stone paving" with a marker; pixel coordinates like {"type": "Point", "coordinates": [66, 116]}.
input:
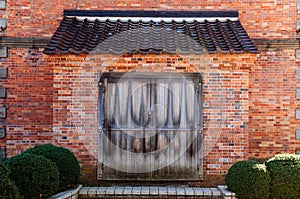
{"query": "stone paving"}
{"type": "Point", "coordinates": [136, 192]}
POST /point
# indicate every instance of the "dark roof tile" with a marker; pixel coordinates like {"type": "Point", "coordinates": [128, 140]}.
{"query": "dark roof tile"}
{"type": "Point", "coordinates": [150, 35]}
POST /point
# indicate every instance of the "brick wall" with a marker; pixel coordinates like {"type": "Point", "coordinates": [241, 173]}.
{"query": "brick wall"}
{"type": "Point", "coordinates": [249, 102]}
{"type": "Point", "coordinates": [28, 101]}
{"type": "Point", "coordinates": [263, 19]}
{"type": "Point", "coordinates": [273, 103]}
{"type": "Point", "coordinates": [226, 101]}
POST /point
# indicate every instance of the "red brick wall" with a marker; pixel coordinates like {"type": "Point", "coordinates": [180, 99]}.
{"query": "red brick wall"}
{"type": "Point", "coordinates": [262, 19]}
{"type": "Point", "coordinates": [256, 96]}
{"type": "Point", "coordinates": [28, 101]}
{"type": "Point", "coordinates": [254, 93]}
{"type": "Point", "coordinates": [273, 104]}
{"type": "Point", "coordinates": [226, 101]}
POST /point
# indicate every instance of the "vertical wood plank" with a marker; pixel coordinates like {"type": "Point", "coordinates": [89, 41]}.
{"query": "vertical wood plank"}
{"type": "Point", "coordinates": [170, 152]}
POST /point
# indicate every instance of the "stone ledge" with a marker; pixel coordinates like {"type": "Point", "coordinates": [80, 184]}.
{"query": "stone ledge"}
{"type": "Point", "coordinates": [23, 42]}
{"type": "Point", "coordinates": [265, 44]}
{"type": "Point", "coordinates": [70, 194]}
{"type": "Point", "coordinates": [261, 44]}
{"type": "Point", "coordinates": [225, 193]}
{"type": "Point", "coordinates": [2, 4]}
{"type": "Point", "coordinates": [149, 192]}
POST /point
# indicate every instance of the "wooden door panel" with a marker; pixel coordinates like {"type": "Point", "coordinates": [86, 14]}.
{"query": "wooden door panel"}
{"type": "Point", "coordinates": [150, 129]}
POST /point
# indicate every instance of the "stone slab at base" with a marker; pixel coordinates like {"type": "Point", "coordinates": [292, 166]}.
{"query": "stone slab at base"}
{"type": "Point", "coordinates": [70, 194]}
{"type": "Point", "coordinates": [138, 192]}
{"type": "Point", "coordinates": [225, 193]}
{"type": "Point", "coordinates": [146, 192]}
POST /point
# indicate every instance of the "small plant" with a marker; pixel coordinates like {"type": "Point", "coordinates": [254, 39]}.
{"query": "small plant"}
{"type": "Point", "coordinates": [8, 189]}
{"type": "Point", "coordinates": [248, 180]}
{"type": "Point", "coordinates": [285, 176]}
{"type": "Point", "coordinates": [68, 166]}
{"type": "Point", "coordinates": [34, 175]}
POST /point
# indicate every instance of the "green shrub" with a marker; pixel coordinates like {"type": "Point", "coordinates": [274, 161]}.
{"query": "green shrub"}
{"type": "Point", "coordinates": [68, 166]}
{"type": "Point", "coordinates": [248, 180]}
{"type": "Point", "coordinates": [8, 189]}
{"type": "Point", "coordinates": [285, 176]}
{"type": "Point", "coordinates": [35, 176]}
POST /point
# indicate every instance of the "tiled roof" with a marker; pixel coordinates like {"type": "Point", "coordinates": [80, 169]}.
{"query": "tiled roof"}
{"type": "Point", "coordinates": [122, 32]}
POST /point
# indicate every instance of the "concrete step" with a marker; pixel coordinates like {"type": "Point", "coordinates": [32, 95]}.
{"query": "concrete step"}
{"type": "Point", "coordinates": [137, 192]}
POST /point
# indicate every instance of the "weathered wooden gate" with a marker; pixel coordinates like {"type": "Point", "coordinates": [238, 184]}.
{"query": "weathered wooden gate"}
{"type": "Point", "coordinates": [150, 126]}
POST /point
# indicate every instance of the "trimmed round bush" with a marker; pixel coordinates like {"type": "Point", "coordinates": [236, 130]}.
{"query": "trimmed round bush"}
{"type": "Point", "coordinates": [285, 176]}
{"type": "Point", "coordinates": [248, 180]}
{"type": "Point", "coordinates": [8, 189]}
{"type": "Point", "coordinates": [68, 166]}
{"type": "Point", "coordinates": [34, 175]}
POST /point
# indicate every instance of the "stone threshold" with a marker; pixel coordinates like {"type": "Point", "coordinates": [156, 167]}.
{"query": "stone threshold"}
{"type": "Point", "coordinates": [69, 194]}
{"type": "Point", "coordinates": [136, 192]}
{"type": "Point", "coordinates": [225, 193]}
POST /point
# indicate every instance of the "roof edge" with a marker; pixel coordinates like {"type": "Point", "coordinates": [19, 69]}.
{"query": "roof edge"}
{"type": "Point", "coordinates": [150, 13]}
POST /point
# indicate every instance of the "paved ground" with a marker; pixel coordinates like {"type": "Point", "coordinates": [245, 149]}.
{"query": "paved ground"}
{"type": "Point", "coordinates": [149, 192]}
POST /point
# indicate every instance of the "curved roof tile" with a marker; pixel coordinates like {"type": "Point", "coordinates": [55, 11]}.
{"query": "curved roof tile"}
{"type": "Point", "coordinates": [149, 32]}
